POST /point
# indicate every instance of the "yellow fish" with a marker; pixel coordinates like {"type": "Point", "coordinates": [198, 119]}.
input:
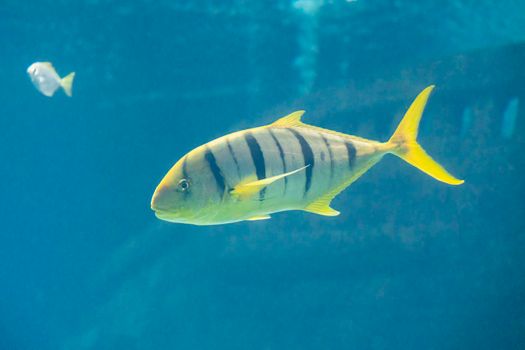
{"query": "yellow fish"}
{"type": "Point", "coordinates": [287, 165]}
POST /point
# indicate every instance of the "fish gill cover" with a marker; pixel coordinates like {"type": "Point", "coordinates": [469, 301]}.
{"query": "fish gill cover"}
{"type": "Point", "coordinates": [410, 263]}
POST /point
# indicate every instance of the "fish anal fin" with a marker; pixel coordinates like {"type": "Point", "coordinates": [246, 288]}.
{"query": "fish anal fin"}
{"type": "Point", "coordinates": [249, 188]}
{"type": "Point", "coordinates": [322, 207]}
{"type": "Point", "coordinates": [259, 217]}
{"type": "Point", "coordinates": [291, 120]}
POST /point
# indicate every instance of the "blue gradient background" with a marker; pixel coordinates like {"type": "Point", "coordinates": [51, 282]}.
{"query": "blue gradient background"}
{"type": "Point", "coordinates": [410, 263]}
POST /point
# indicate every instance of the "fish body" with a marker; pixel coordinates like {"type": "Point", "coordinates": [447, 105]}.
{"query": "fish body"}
{"type": "Point", "coordinates": [287, 165]}
{"type": "Point", "coordinates": [46, 80]}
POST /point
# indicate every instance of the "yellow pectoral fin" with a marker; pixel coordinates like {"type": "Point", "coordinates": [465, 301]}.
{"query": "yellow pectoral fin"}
{"type": "Point", "coordinates": [261, 217]}
{"type": "Point", "coordinates": [247, 189]}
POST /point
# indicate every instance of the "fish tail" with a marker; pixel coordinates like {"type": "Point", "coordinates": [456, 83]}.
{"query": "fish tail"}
{"type": "Point", "coordinates": [404, 145]}
{"type": "Point", "coordinates": [67, 83]}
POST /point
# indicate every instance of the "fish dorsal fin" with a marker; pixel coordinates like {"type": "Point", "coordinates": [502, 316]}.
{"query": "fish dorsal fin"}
{"type": "Point", "coordinates": [292, 119]}
{"type": "Point", "coordinates": [322, 206]}
{"type": "Point", "coordinates": [48, 64]}
{"type": "Point", "coordinates": [259, 217]}
{"type": "Point", "coordinates": [250, 187]}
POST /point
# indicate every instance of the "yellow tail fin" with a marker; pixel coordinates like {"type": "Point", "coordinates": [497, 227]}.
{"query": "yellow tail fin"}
{"type": "Point", "coordinates": [404, 145]}
{"type": "Point", "coordinates": [67, 83]}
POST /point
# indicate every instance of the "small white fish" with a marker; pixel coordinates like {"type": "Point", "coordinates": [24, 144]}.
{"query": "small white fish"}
{"type": "Point", "coordinates": [45, 78]}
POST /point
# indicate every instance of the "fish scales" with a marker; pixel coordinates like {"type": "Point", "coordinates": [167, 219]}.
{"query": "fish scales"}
{"type": "Point", "coordinates": [300, 147]}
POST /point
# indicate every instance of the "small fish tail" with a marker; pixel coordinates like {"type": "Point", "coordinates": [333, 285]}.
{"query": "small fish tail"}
{"type": "Point", "coordinates": [67, 83]}
{"type": "Point", "coordinates": [404, 145]}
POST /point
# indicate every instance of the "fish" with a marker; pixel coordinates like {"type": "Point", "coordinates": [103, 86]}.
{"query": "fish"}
{"type": "Point", "coordinates": [46, 80]}
{"type": "Point", "coordinates": [286, 165]}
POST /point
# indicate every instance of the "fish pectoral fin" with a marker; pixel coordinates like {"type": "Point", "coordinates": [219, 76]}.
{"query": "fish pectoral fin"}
{"type": "Point", "coordinates": [260, 217]}
{"type": "Point", "coordinates": [249, 188]}
{"type": "Point", "coordinates": [292, 119]}
{"type": "Point", "coordinates": [322, 207]}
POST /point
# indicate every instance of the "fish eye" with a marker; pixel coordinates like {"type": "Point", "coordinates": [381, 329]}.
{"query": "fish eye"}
{"type": "Point", "coordinates": [183, 185]}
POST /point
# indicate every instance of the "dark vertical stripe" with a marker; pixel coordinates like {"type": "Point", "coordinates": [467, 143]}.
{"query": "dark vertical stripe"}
{"type": "Point", "coordinates": [283, 160]}
{"type": "Point", "coordinates": [350, 148]}
{"type": "Point", "coordinates": [230, 148]}
{"type": "Point", "coordinates": [331, 154]}
{"type": "Point", "coordinates": [258, 159]}
{"type": "Point", "coordinates": [185, 168]}
{"type": "Point", "coordinates": [216, 171]}
{"type": "Point", "coordinates": [185, 174]}
{"type": "Point", "coordinates": [308, 157]}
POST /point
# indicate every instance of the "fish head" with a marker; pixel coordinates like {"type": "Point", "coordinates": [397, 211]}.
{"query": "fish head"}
{"type": "Point", "coordinates": [32, 70]}
{"type": "Point", "coordinates": [182, 196]}
{"type": "Point", "coordinates": [44, 77]}
{"type": "Point", "coordinates": [43, 70]}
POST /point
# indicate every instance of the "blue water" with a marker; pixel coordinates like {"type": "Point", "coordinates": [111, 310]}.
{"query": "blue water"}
{"type": "Point", "coordinates": [409, 264]}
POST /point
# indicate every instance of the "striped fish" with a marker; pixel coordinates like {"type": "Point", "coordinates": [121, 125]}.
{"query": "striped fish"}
{"type": "Point", "coordinates": [287, 165]}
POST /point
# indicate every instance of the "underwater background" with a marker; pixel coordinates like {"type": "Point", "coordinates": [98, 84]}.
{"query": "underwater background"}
{"type": "Point", "coordinates": [410, 263]}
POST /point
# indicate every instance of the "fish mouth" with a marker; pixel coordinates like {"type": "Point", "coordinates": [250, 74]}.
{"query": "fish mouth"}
{"type": "Point", "coordinates": [162, 214]}
{"type": "Point", "coordinates": [168, 216]}
{"type": "Point", "coordinates": [162, 210]}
